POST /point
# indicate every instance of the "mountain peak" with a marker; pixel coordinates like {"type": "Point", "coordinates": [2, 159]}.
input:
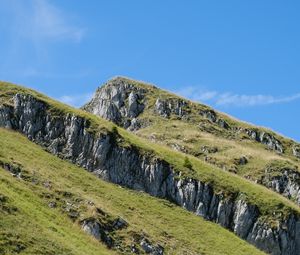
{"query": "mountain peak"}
{"type": "Point", "coordinates": [190, 127]}
{"type": "Point", "coordinates": [123, 80]}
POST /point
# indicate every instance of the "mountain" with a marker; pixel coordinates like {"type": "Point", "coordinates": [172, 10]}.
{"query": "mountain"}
{"type": "Point", "coordinates": [46, 204]}
{"type": "Point", "coordinates": [164, 200]}
{"type": "Point", "coordinates": [252, 152]}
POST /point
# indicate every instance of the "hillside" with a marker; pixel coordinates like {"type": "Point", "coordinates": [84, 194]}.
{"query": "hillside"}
{"type": "Point", "coordinates": [42, 197]}
{"type": "Point", "coordinates": [254, 213]}
{"type": "Point", "coordinates": [252, 152]}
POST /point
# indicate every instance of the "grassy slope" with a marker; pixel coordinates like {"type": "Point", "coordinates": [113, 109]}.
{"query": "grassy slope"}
{"type": "Point", "coordinates": [268, 202]}
{"type": "Point", "coordinates": [42, 229]}
{"type": "Point", "coordinates": [28, 226]}
{"type": "Point", "coordinates": [192, 140]}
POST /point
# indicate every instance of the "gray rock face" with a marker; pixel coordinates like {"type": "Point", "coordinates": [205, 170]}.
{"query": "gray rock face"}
{"type": "Point", "coordinates": [209, 114]}
{"type": "Point", "coordinates": [244, 218]}
{"type": "Point", "coordinates": [150, 248]}
{"type": "Point", "coordinates": [242, 161]}
{"type": "Point", "coordinates": [166, 107]}
{"type": "Point", "coordinates": [93, 227]}
{"type": "Point", "coordinates": [6, 118]}
{"type": "Point", "coordinates": [119, 102]}
{"type": "Point", "coordinates": [119, 224]}
{"type": "Point", "coordinates": [213, 117]}
{"type": "Point", "coordinates": [134, 108]}
{"type": "Point", "coordinates": [68, 137]}
{"type": "Point", "coordinates": [287, 183]}
{"type": "Point", "coordinates": [296, 151]}
{"type": "Point", "coordinates": [265, 138]}
{"type": "Point", "coordinates": [208, 149]}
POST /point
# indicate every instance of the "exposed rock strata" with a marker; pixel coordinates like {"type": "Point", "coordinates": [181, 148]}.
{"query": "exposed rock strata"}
{"type": "Point", "coordinates": [97, 230]}
{"type": "Point", "coordinates": [296, 151]}
{"type": "Point", "coordinates": [150, 248]}
{"type": "Point", "coordinates": [68, 137]}
{"type": "Point", "coordinates": [265, 138]}
{"type": "Point", "coordinates": [213, 117]}
{"type": "Point", "coordinates": [166, 107]}
{"type": "Point", "coordinates": [120, 104]}
{"type": "Point", "coordinates": [285, 182]}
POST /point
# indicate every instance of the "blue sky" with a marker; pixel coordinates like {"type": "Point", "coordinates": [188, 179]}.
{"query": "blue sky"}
{"type": "Point", "coordinates": [241, 57]}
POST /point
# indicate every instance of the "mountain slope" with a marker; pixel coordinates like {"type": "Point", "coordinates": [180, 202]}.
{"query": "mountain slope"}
{"type": "Point", "coordinates": [252, 212]}
{"type": "Point", "coordinates": [29, 226]}
{"type": "Point", "coordinates": [252, 152]}
{"type": "Point", "coordinates": [42, 187]}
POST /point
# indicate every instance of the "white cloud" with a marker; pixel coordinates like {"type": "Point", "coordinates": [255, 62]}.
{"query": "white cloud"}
{"type": "Point", "coordinates": [231, 99]}
{"type": "Point", "coordinates": [39, 20]}
{"type": "Point", "coordinates": [50, 22]}
{"type": "Point", "coordinates": [31, 30]}
{"type": "Point", "coordinates": [76, 100]}
{"type": "Point", "coordinates": [253, 100]}
{"type": "Point", "coordinates": [196, 94]}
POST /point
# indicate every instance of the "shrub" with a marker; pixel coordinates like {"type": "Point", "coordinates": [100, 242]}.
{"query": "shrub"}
{"type": "Point", "coordinates": [114, 130]}
{"type": "Point", "coordinates": [187, 163]}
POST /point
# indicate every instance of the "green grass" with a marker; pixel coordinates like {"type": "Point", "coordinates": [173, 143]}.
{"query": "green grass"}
{"type": "Point", "coordinates": [191, 138]}
{"type": "Point", "coordinates": [34, 229]}
{"type": "Point", "coordinates": [27, 226]}
{"type": "Point", "coordinates": [37, 229]}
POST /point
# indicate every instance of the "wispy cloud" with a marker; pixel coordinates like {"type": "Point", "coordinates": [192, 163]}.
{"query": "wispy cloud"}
{"type": "Point", "coordinates": [197, 94]}
{"type": "Point", "coordinates": [76, 100]}
{"type": "Point", "coordinates": [50, 22]}
{"type": "Point", "coordinates": [31, 31]}
{"type": "Point", "coordinates": [232, 99]}
{"type": "Point", "coordinates": [41, 20]}
{"type": "Point", "coordinates": [253, 100]}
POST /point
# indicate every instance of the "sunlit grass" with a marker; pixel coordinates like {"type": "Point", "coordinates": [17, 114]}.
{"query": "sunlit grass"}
{"type": "Point", "coordinates": [42, 229]}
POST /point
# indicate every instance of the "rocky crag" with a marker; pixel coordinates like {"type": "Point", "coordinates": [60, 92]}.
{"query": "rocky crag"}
{"type": "Point", "coordinates": [136, 106]}
{"type": "Point", "coordinates": [122, 101]}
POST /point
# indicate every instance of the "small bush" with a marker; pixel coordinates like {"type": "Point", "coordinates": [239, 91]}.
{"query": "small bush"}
{"type": "Point", "coordinates": [114, 130]}
{"type": "Point", "coordinates": [187, 163]}
{"type": "Point", "coordinates": [114, 135]}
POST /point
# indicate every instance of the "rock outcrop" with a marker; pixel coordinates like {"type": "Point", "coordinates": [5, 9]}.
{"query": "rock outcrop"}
{"type": "Point", "coordinates": [285, 182]}
{"type": "Point", "coordinates": [118, 101]}
{"type": "Point", "coordinates": [214, 118]}
{"type": "Point", "coordinates": [166, 107]}
{"type": "Point", "coordinates": [296, 151]}
{"type": "Point", "coordinates": [99, 231]}
{"type": "Point", "coordinates": [68, 136]}
{"type": "Point", "coordinates": [149, 248]}
{"type": "Point", "coordinates": [265, 138]}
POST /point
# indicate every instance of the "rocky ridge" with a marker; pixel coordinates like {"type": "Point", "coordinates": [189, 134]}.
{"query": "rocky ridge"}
{"type": "Point", "coordinates": [122, 101]}
{"type": "Point", "coordinates": [68, 136]}
{"type": "Point", "coordinates": [118, 91]}
{"type": "Point", "coordinates": [120, 104]}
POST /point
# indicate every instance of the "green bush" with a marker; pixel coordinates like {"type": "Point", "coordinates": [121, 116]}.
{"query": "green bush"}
{"type": "Point", "coordinates": [187, 163]}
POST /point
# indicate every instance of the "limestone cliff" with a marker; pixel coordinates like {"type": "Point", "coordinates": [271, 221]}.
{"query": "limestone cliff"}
{"type": "Point", "coordinates": [135, 106]}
